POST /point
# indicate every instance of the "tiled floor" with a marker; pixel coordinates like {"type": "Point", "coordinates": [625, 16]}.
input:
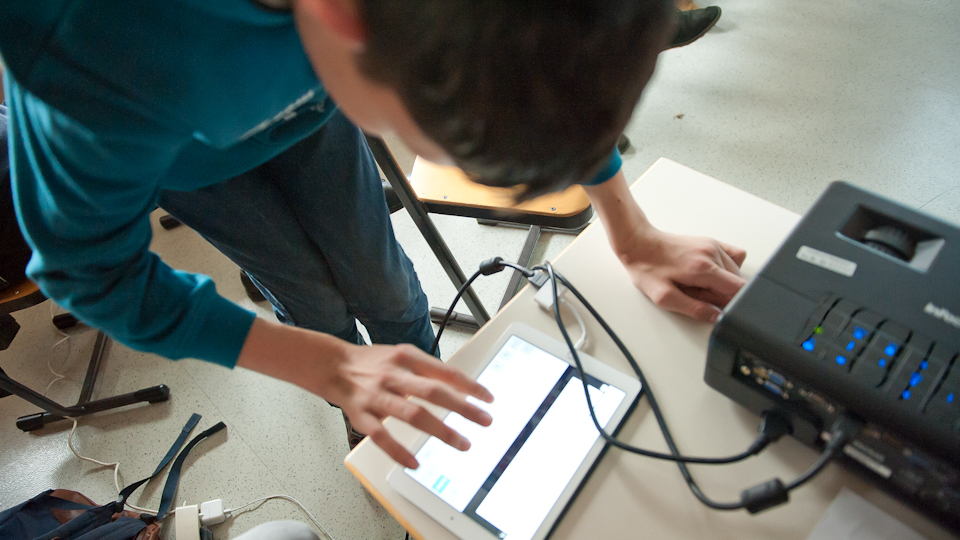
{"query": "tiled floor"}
{"type": "Point", "coordinates": [781, 98]}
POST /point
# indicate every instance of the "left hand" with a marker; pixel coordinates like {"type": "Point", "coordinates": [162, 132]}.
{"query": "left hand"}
{"type": "Point", "coordinates": [695, 276]}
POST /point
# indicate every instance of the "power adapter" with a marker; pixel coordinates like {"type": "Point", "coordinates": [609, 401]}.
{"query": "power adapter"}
{"type": "Point", "coordinates": [211, 512]}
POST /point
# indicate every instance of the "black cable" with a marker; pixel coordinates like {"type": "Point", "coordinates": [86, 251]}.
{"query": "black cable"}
{"type": "Point", "coordinates": [843, 431]}
{"type": "Point", "coordinates": [497, 264]}
{"type": "Point", "coordinates": [772, 427]}
{"type": "Point", "coordinates": [764, 438]}
{"type": "Point", "coordinates": [446, 317]}
{"type": "Point", "coordinates": [754, 499]}
{"type": "Point", "coordinates": [487, 267]}
{"type": "Point", "coordinates": [527, 273]}
{"type": "Point", "coordinates": [826, 456]}
{"type": "Point", "coordinates": [648, 391]}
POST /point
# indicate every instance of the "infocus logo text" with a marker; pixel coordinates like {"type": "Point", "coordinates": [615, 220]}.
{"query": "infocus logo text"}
{"type": "Point", "coordinates": [943, 314]}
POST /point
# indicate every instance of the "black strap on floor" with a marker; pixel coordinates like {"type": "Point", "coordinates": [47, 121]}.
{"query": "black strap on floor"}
{"type": "Point", "coordinates": [184, 433]}
{"type": "Point", "coordinates": [173, 477]}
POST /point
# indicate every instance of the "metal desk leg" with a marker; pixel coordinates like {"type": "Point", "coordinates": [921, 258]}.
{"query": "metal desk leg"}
{"type": "Point", "coordinates": [429, 231]}
{"type": "Point", "coordinates": [532, 237]}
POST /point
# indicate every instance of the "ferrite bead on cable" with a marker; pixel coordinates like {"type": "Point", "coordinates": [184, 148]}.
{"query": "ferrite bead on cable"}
{"type": "Point", "coordinates": [491, 266]}
{"type": "Point", "coordinates": [764, 496]}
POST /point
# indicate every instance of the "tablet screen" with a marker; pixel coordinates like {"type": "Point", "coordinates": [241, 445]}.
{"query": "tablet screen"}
{"type": "Point", "coordinates": [517, 468]}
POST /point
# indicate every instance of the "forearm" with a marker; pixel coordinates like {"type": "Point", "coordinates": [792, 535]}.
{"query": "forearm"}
{"type": "Point", "coordinates": [83, 201]}
{"type": "Point", "coordinates": [626, 225]}
{"type": "Point", "coordinates": [301, 357]}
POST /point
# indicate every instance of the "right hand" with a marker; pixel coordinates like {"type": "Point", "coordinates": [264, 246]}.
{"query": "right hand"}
{"type": "Point", "coordinates": [369, 383]}
{"type": "Point", "coordinates": [372, 383]}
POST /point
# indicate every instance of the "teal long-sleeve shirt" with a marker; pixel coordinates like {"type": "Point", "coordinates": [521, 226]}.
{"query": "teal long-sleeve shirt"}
{"type": "Point", "coordinates": [111, 102]}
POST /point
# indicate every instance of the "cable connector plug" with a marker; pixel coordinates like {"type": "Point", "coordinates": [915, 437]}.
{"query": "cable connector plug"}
{"type": "Point", "coordinates": [844, 430]}
{"type": "Point", "coordinates": [538, 278]}
{"type": "Point", "coordinates": [497, 264]}
{"type": "Point", "coordinates": [774, 425]}
{"type": "Point", "coordinates": [544, 296]}
{"type": "Point", "coordinates": [774, 492]}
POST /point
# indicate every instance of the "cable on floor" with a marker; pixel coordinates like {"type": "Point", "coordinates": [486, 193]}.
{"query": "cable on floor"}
{"type": "Point", "coordinates": [116, 470]}
{"type": "Point", "coordinates": [316, 522]}
{"type": "Point", "coordinates": [58, 376]}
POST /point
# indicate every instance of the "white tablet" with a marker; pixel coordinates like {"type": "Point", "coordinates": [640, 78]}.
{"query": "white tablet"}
{"type": "Point", "coordinates": [522, 471]}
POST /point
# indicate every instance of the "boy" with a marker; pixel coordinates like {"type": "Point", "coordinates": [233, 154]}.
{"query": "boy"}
{"type": "Point", "coordinates": [239, 118]}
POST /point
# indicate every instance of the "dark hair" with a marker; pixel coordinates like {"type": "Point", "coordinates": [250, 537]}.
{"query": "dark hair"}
{"type": "Point", "coordinates": [530, 92]}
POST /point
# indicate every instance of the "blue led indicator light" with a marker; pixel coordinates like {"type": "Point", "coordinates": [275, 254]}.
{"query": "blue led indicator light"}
{"type": "Point", "coordinates": [851, 345]}
{"type": "Point", "coordinates": [906, 394]}
{"type": "Point", "coordinates": [882, 362]}
{"type": "Point", "coordinates": [949, 398]}
{"type": "Point", "coordinates": [915, 380]}
{"type": "Point", "coordinates": [858, 332]}
{"type": "Point", "coordinates": [841, 360]}
{"type": "Point", "coordinates": [808, 344]}
{"type": "Point", "coordinates": [924, 365]}
{"type": "Point", "coordinates": [891, 349]}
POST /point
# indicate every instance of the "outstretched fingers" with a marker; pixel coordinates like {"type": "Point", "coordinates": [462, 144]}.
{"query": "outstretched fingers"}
{"type": "Point", "coordinates": [413, 414]}
{"type": "Point", "coordinates": [440, 394]}
{"type": "Point", "coordinates": [427, 366]}
{"type": "Point", "coordinates": [369, 424]}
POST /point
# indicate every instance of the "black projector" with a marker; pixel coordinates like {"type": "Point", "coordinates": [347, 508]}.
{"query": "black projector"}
{"type": "Point", "coordinates": [858, 313]}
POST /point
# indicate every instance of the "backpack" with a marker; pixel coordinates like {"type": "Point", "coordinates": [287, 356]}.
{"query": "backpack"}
{"type": "Point", "coordinates": [67, 515]}
{"type": "Point", "coordinates": [14, 252]}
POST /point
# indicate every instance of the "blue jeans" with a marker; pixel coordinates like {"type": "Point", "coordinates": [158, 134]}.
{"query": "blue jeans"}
{"type": "Point", "coordinates": [312, 229]}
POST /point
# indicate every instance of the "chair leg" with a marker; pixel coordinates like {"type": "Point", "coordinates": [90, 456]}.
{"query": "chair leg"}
{"type": "Point", "coordinates": [427, 228]}
{"type": "Point", "coordinates": [532, 237]}
{"type": "Point", "coordinates": [459, 320]}
{"type": "Point", "coordinates": [467, 322]}
{"type": "Point", "coordinates": [8, 330]}
{"type": "Point", "coordinates": [84, 405]}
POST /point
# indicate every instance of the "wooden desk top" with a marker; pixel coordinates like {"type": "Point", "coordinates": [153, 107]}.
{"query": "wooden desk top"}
{"type": "Point", "coordinates": [437, 184]}
{"type": "Point", "coordinates": [628, 496]}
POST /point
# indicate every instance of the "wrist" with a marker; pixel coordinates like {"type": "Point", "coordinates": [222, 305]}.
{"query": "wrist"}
{"type": "Point", "coordinates": [627, 228]}
{"type": "Point", "coordinates": [302, 357]}
{"type": "Point", "coordinates": [642, 244]}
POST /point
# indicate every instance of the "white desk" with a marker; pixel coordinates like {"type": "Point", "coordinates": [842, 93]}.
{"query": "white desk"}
{"type": "Point", "coordinates": [628, 496]}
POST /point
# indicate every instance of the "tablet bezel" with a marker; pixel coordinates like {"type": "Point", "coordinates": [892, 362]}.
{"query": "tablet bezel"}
{"type": "Point", "coordinates": [466, 528]}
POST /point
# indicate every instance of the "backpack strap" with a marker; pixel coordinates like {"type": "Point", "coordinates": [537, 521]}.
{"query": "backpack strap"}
{"type": "Point", "coordinates": [173, 477]}
{"type": "Point", "coordinates": [184, 433]}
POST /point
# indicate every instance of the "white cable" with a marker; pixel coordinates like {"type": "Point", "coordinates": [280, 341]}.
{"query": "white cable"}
{"type": "Point", "coordinates": [583, 327]}
{"type": "Point", "coordinates": [315, 521]}
{"type": "Point", "coordinates": [59, 376]}
{"type": "Point", "coordinates": [116, 471]}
